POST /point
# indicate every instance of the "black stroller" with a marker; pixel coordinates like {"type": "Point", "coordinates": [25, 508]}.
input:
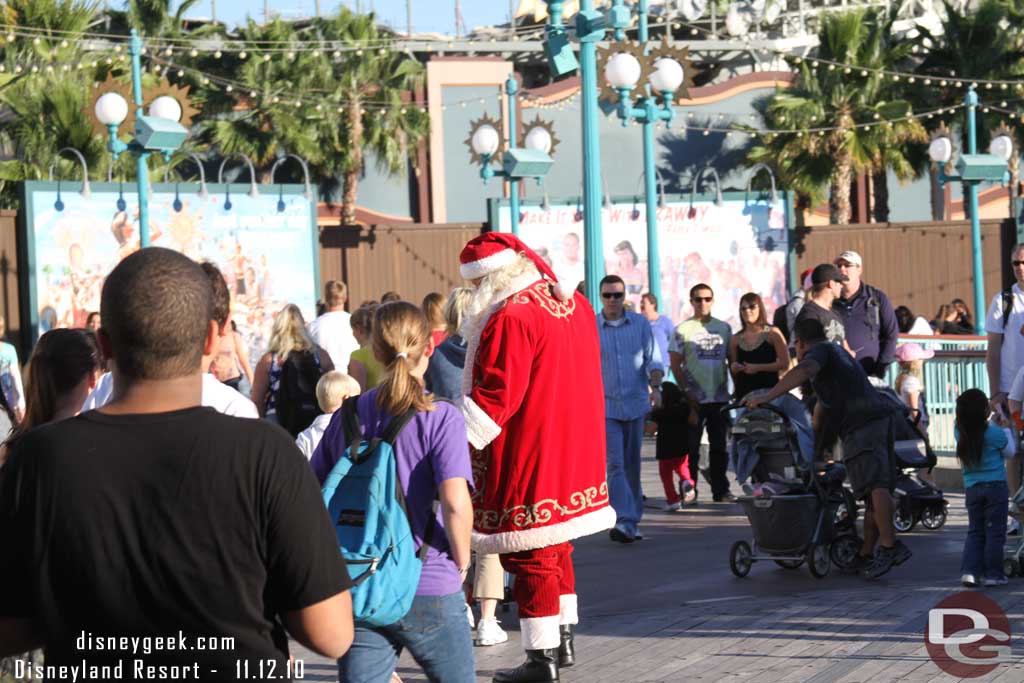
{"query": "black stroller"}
{"type": "Point", "coordinates": [797, 514]}
{"type": "Point", "coordinates": [914, 499]}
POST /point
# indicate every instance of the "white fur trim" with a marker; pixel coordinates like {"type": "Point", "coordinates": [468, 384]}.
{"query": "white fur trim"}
{"type": "Point", "coordinates": [473, 332]}
{"type": "Point", "coordinates": [562, 290]}
{"type": "Point", "coordinates": [542, 537]}
{"type": "Point", "coordinates": [568, 612]}
{"type": "Point", "coordinates": [540, 633]}
{"type": "Point", "coordinates": [480, 428]}
{"type": "Point", "coordinates": [488, 264]}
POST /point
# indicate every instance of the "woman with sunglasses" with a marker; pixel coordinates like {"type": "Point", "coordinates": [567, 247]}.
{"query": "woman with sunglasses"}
{"type": "Point", "coordinates": [758, 354]}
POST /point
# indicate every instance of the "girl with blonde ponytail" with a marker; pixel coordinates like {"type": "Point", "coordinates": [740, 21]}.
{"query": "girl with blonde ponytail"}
{"type": "Point", "coordinates": [432, 462]}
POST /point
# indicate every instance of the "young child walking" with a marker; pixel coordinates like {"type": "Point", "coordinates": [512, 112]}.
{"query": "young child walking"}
{"type": "Point", "coordinates": [673, 418]}
{"type": "Point", "coordinates": [981, 448]}
{"type": "Point", "coordinates": [910, 382]}
{"type": "Point", "coordinates": [331, 391]}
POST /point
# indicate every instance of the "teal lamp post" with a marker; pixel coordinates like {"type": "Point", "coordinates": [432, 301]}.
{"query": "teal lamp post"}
{"type": "Point", "coordinates": [666, 69]}
{"type": "Point", "coordinates": [972, 169]}
{"type": "Point", "coordinates": [533, 160]}
{"type": "Point", "coordinates": [158, 132]}
{"type": "Point", "coordinates": [590, 29]}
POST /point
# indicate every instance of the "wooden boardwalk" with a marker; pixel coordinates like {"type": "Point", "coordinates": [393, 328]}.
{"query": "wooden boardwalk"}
{"type": "Point", "coordinates": [668, 609]}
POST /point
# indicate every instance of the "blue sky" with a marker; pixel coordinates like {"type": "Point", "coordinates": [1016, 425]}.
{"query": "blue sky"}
{"type": "Point", "coordinates": [427, 15]}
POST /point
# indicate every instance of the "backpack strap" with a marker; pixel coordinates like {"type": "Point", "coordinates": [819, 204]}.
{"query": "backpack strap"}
{"type": "Point", "coordinates": [394, 428]}
{"type": "Point", "coordinates": [874, 310]}
{"type": "Point", "coordinates": [350, 424]}
{"type": "Point", "coordinates": [1007, 295]}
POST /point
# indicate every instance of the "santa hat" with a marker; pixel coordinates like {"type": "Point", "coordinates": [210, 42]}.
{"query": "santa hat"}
{"type": "Point", "coordinates": [493, 251]}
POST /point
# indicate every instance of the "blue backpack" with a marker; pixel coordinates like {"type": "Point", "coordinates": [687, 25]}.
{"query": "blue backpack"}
{"type": "Point", "coordinates": [365, 500]}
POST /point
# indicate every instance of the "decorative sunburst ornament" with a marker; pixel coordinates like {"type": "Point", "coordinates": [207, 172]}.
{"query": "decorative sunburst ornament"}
{"type": "Point", "coordinates": [101, 89]}
{"type": "Point", "coordinates": [484, 130]}
{"type": "Point", "coordinates": [680, 55]}
{"type": "Point", "coordinates": [179, 93]}
{"type": "Point", "coordinates": [608, 93]}
{"type": "Point", "coordinates": [538, 134]}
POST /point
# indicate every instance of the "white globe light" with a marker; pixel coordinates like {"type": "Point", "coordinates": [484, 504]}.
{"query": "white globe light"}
{"type": "Point", "coordinates": [538, 139]}
{"type": "Point", "coordinates": [1002, 147]}
{"type": "Point", "coordinates": [485, 140]}
{"type": "Point", "coordinates": [165, 107]}
{"type": "Point", "coordinates": [941, 150]}
{"type": "Point", "coordinates": [668, 75]}
{"type": "Point", "coordinates": [111, 109]}
{"type": "Point", "coordinates": [622, 70]}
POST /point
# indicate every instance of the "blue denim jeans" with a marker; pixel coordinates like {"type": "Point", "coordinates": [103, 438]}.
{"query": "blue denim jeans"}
{"type": "Point", "coordinates": [625, 438]}
{"type": "Point", "coordinates": [437, 634]}
{"type": "Point", "coordinates": [987, 506]}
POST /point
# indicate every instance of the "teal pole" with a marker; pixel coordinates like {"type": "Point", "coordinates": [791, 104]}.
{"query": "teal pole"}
{"type": "Point", "coordinates": [511, 87]}
{"type": "Point", "coordinates": [593, 258]}
{"type": "Point", "coordinates": [142, 158]}
{"type": "Point", "coordinates": [971, 100]}
{"type": "Point", "coordinates": [650, 176]}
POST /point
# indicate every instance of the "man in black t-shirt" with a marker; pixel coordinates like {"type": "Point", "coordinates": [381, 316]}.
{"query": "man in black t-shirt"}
{"type": "Point", "coordinates": [138, 533]}
{"type": "Point", "coordinates": [826, 286]}
{"type": "Point", "coordinates": [849, 406]}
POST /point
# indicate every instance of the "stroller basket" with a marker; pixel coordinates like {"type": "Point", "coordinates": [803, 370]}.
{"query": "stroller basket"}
{"type": "Point", "coordinates": [783, 524]}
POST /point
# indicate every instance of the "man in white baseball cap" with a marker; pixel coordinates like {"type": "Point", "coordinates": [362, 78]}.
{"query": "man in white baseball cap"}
{"type": "Point", "coordinates": [867, 315]}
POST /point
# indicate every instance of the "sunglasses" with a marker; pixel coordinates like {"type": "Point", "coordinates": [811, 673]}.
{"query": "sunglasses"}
{"type": "Point", "coordinates": [612, 295]}
{"type": "Point", "coordinates": [1015, 264]}
{"type": "Point", "coordinates": [749, 307]}
{"type": "Point", "coordinates": [702, 298]}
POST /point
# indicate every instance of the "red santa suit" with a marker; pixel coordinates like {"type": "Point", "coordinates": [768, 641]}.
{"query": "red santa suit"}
{"type": "Point", "coordinates": [534, 409]}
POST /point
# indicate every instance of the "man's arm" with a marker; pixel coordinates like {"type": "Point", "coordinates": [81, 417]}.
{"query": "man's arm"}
{"type": "Point", "coordinates": [326, 627]}
{"type": "Point", "coordinates": [888, 335]}
{"type": "Point", "coordinates": [803, 372]}
{"type": "Point", "coordinates": [993, 364]}
{"type": "Point", "coordinates": [654, 366]}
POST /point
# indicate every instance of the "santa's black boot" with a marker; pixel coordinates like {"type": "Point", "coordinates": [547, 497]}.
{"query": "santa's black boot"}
{"type": "Point", "coordinates": [541, 666]}
{"type": "Point", "coordinates": [567, 650]}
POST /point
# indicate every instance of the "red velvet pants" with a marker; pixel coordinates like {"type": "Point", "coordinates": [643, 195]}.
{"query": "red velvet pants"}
{"type": "Point", "coordinates": [542, 577]}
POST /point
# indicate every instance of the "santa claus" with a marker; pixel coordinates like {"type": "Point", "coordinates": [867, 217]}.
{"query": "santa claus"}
{"type": "Point", "coordinates": [534, 408]}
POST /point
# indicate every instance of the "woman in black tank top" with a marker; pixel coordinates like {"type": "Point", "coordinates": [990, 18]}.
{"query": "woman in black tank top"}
{"type": "Point", "coordinates": [758, 353]}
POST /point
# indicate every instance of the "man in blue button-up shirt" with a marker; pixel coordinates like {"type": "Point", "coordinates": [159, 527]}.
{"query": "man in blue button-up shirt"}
{"type": "Point", "coordinates": [630, 362]}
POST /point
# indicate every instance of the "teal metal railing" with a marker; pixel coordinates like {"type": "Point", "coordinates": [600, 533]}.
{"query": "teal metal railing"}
{"type": "Point", "coordinates": [958, 365]}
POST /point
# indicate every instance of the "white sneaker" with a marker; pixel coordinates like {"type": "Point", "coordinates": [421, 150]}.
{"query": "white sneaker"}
{"type": "Point", "coordinates": [469, 616]}
{"type": "Point", "coordinates": [969, 581]}
{"type": "Point", "coordinates": [1001, 581]}
{"type": "Point", "coordinates": [672, 507]}
{"type": "Point", "coordinates": [489, 633]}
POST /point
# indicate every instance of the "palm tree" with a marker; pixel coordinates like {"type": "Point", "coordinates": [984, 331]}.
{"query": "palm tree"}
{"type": "Point", "coordinates": [849, 104]}
{"type": "Point", "coordinates": [371, 93]}
{"type": "Point", "coordinates": [984, 44]}
{"type": "Point", "coordinates": [45, 109]}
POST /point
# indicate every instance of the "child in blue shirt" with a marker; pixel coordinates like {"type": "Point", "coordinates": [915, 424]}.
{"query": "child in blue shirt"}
{"type": "Point", "coordinates": [981, 448]}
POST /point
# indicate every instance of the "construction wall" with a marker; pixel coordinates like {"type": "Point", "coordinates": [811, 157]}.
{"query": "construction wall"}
{"type": "Point", "coordinates": [411, 259]}
{"type": "Point", "coordinates": [919, 265]}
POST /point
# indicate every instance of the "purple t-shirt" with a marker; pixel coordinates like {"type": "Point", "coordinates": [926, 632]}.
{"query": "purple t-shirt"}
{"type": "Point", "coordinates": [430, 449]}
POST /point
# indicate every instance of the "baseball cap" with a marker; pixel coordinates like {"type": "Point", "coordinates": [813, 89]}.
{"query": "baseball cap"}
{"type": "Point", "coordinates": [827, 272]}
{"type": "Point", "coordinates": [851, 257]}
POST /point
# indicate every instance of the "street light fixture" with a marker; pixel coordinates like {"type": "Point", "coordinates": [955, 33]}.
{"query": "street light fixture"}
{"type": "Point", "coordinates": [656, 73]}
{"type": "Point", "coordinates": [972, 169]}
{"type": "Point", "coordinates": [159, 131]}
{"type": "Point", "coordinates": [532, 160]}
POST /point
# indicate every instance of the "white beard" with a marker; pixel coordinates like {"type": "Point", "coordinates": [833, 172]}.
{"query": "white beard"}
{"type": "Point", "coordinates": [489, 296]}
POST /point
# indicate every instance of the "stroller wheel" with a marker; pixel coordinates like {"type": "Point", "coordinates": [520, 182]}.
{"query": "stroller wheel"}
{"type": "Point", "coordinates": [789, 564]}
{"type": "Point", "coordinates": [844, 551]}
{"type": "Point", "coordinates": [902, 521]}
{"type": "Point", "coordinates": [1010, 567]}
{"type": "Point", "coordinates": [818, 561]}
{"type": "Point", "coordinates": [934, 517]}
{"type": "Point", "coordinates": [740, 558]}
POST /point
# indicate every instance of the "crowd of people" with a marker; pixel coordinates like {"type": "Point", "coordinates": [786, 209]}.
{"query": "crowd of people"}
{"type": "Point", "coordinates": [181, 503]}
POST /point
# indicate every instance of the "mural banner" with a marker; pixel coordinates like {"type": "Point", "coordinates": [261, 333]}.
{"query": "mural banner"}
{"type": "Point", "coordinates": [738, 247]}
{"type": "Point", "coordinates": [264, 245]}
